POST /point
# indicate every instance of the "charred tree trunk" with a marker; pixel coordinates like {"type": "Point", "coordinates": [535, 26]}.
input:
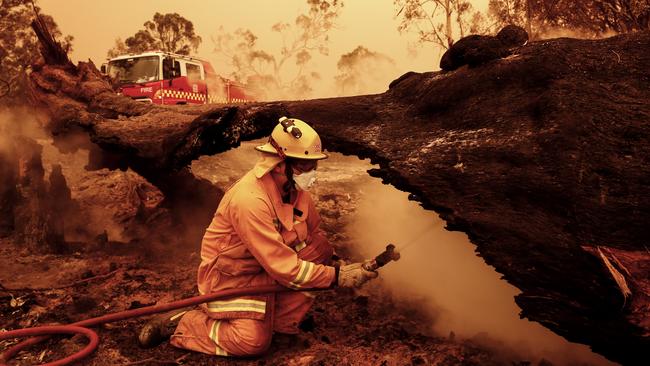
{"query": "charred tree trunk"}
{"type": "Point", "coordinates": [529, 17]}
{"type": "Point", "coordinates": [8, 192]}
{"type": "Point", "coordinates": [38, 226]}
{"type": "Point", "coordinates": [459, 18]}
{"type": "Point", "coordinates": [59, 206]}
{"type": "Point", "coordinates": [448, 32]}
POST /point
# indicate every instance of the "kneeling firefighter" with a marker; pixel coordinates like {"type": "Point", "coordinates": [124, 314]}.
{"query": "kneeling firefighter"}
{"type": "Point", "coordinates": [265, 231]}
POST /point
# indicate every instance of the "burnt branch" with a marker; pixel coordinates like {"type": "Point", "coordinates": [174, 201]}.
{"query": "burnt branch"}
{"type": "Point", "coordinates": [51, 50]}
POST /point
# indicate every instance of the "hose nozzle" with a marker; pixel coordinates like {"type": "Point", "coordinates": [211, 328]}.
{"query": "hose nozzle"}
{"type": "Point", "coordinates": [382, 259]}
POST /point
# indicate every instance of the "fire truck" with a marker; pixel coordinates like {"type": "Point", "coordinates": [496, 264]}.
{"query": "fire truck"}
{"type": "Point", "coordinates": [167, 78]}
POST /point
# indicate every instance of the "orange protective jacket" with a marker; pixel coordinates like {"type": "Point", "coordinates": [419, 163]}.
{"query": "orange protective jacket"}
{"type": "Point", "coordinates": [253, 240]}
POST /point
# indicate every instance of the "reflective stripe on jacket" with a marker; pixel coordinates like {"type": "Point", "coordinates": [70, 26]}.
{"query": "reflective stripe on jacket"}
{"type": "Point", "coordinates": [252, 241]}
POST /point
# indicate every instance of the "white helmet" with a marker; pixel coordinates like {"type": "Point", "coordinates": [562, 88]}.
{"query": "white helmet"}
{"type": "Point", "coordinates": [293, 138]}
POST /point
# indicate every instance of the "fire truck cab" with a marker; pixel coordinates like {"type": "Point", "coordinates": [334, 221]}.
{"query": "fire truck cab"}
{"type": "Point", "coordinates": [167, 78]}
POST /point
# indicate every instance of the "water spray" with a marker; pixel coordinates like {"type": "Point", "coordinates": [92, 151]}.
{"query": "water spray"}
{"type": "Point", "coordinates": [390, 254]}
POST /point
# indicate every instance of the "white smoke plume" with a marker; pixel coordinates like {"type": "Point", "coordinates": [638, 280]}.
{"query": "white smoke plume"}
{"type": "Point", "coordinates": [440, 271]}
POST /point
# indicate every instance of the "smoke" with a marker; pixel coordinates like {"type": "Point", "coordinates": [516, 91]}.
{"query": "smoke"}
{"type": "Point", "coordinates": [440, 270]}
{"type": "Point", "coordinates": [25, 201]}
{"type": "Point", "coordinates": [20, 121]}
{"type": "Point", "coordinates": [269, 87]}
{"type": "Point", "coordinates": [217, 90]}
{"type": "Point", "coordinates": [363, 72]}
{"type": "Point", "coordinates": [76, 204]}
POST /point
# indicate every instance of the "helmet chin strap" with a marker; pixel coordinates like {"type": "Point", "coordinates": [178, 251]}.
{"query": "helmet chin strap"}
{"type": "Point", "coordinates": [290, 185]}
{"type": "Point", "coordinates": [277, 147]}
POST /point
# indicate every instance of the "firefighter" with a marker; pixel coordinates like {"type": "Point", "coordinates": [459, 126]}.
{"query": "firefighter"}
{"type": "Point", "coordinates": [265, 231]}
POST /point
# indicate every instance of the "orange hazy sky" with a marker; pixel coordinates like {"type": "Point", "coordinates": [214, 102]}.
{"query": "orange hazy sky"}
{"type": "Point", "coordinates": [96, 24]}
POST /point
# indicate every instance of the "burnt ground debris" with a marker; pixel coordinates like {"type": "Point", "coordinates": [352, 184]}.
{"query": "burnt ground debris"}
{"type": "Point", "coordinates": [533, 156]}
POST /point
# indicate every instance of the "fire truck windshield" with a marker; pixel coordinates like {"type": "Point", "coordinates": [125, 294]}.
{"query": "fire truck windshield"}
{"type": "Point", "coordinates": [135, 69]}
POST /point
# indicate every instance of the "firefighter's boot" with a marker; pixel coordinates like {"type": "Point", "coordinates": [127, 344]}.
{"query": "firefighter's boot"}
{"type": "Point", "coordinates": [159, 328]}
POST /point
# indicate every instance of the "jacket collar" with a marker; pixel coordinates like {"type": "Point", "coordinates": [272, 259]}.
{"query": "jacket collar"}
{"type": "Point", "coordinates": [265, 163]}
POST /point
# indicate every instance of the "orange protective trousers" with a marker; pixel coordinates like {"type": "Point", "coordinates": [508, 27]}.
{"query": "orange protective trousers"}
{"type": "Point", "coordinates": [198, 331]}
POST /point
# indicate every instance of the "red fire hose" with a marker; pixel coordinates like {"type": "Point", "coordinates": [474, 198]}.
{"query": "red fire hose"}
{"type": "Point", "coordinates": [42, 333]}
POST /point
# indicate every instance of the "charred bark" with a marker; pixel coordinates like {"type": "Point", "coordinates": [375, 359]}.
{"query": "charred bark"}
{"type": "Point", "coordinates": [58, 207]}
{"type": "Point", "coordinates": [8, 192]}
{"type": "Point", "coordinates": [533, 156]}
{"type": "Point", "coordinates": [51, 50]}
{"type": "Point", "coordinates": [477, 50]}
{"type": "Point", "coordinates": [37, 225]}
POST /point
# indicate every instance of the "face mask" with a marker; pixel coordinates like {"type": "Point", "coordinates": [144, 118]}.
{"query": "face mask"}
{"type": "Point", "coordinates": [305, 180]}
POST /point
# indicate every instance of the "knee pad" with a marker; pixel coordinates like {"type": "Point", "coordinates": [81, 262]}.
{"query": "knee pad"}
{"type": "Point", "coordinates": [253, 336]}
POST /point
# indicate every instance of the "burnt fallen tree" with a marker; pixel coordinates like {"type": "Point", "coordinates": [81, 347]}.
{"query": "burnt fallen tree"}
{"type": "Point", "coordinates": [542, 158]}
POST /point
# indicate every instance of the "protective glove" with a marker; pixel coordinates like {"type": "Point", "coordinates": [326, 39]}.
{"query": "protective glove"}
{"type": "Point", "coordinates": [353, 275]}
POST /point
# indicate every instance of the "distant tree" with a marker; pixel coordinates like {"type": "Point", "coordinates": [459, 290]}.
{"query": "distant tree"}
{"type": "Point", "coordinates": [19, 47]}
{"type": "Point", "coordinates": [591, 17]}
{"type": "Point", "coordinates": [285, 73]}
{"type": "Point", "coordinates": [439, 21]}
{"type": "Point", "coordinates": [515, 12]}
{"type": "Point", "coordinates": [363, 71]}
{"type": "Point", "coordinates": [595, 16]}
{"type": "Point", "coordinates": [119, 48]}
{"type": "Point", "coordinates": [166, 32]}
